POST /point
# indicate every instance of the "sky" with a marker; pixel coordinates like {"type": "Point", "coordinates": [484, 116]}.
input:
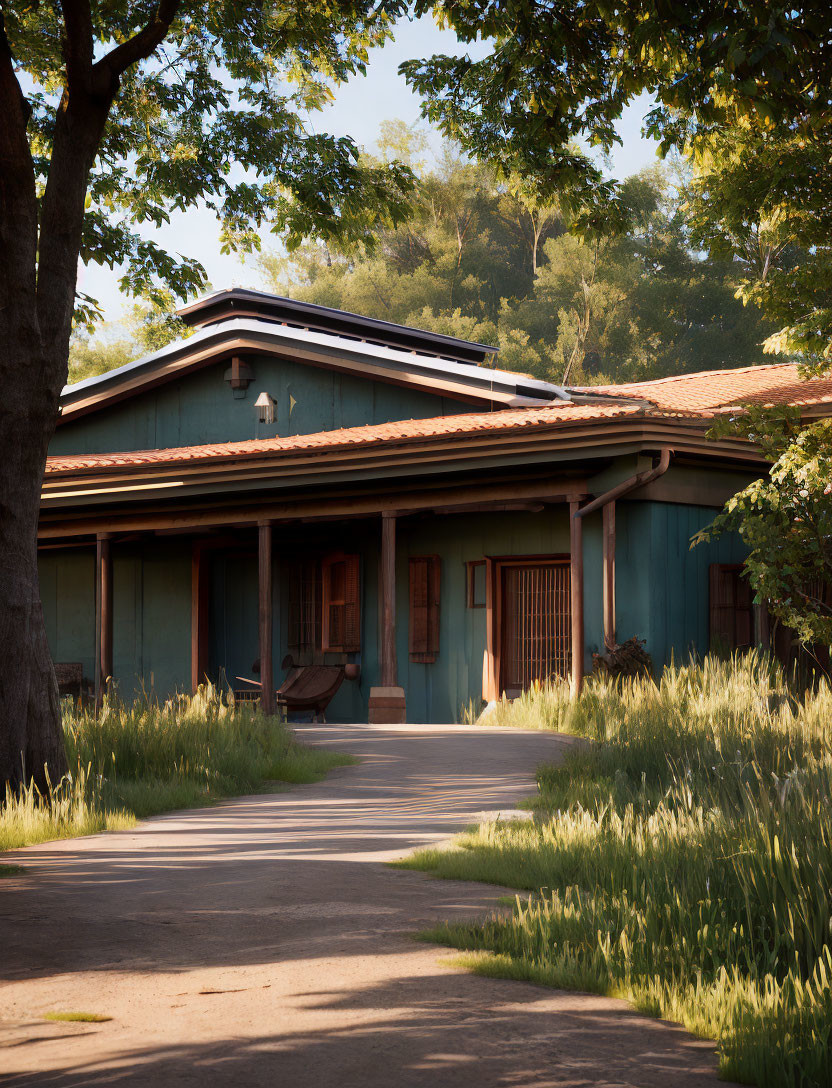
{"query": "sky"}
{"type": "Point", "coordinates": [358, 109]}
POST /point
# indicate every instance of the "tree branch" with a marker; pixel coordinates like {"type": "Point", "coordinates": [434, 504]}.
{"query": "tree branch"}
{"type": "Point", "coordinates": [112, 66]}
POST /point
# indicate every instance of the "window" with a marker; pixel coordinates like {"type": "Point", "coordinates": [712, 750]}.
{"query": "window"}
{"type": "Point", "coordinates": [424, 584]}
{"type": "Point", "coordinates": [304, 598]}
{"type": "Point", "coordinates": [732, 608]}
{"type": "Point", "coordinates": [341, 607]}
{"type": "Point", "coordinates": [476, 583]}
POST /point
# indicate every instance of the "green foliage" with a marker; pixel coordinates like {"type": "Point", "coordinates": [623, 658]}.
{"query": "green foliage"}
{"type": "Point", "coordinates": [131, 762]}
{"type": "Point", "coordinates": [785, 519]}
{"type": "Point", "coordinates": [485, 258]}
{"type": "Point", "coordinates": [763, 200]}
{"type": "Point", "coordinates": [89, 357]}
{"type": "Point", "coordinates": [740, 89]}
{"type": "Point", "coordinates": [215, 116]}
{"type": "Point", "coordinates": [681, 859]}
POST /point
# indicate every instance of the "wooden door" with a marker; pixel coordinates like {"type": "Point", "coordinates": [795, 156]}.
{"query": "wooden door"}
{"type": "Point", "coordinates": [536, 624]}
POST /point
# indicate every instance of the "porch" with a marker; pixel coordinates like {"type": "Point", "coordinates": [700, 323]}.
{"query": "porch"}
{"type": "Point", "coordinates": [421, 595]}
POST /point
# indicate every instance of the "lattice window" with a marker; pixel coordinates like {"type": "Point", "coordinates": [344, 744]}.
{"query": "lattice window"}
{"type": "Point", "coordinates": [537, 623]}
{"type": "Point", "coordinates": [304, 614]}
{"type": "Point", "coordinates": [424, 586]}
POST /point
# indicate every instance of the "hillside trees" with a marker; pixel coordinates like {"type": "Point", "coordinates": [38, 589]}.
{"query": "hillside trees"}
{"type": "Point", "coordinates": [488, 259]}
{"type": "Point", "coordinates": [113, 115]}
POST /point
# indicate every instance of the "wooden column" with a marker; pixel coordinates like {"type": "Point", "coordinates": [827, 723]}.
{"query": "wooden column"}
{"type": "Point", "coordinates": [387, 703]}
{"type": "Point", "coordinates": [608, 529]}
{"type": "Point", "coordinates": [576, 573]}
{"type": "Point", "coordinates": [199, 616]}
{"type": "Point", "coordinates": [265, 584]}
{"type": "Point", "coordinates": [104, 616]}
{"type": "Point", "coordinates": [389, 667]}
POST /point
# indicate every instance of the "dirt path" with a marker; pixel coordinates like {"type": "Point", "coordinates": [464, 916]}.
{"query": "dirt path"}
{"type": "Point", "coordinates": [262, 943]}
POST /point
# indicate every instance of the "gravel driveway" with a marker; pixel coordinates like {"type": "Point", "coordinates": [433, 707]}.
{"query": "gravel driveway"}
{"type": "Point", "coordinates": [262, 942]}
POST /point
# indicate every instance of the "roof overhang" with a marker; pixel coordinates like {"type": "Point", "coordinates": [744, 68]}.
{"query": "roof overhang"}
{"type": "Point", "coordinates": [241, 490]}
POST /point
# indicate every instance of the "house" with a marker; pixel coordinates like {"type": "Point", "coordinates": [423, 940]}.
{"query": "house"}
{"type": "Point", "coordinates": [295, 483]}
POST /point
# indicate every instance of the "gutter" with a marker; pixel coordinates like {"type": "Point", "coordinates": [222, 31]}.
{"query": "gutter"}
{"type": "Point", "coordinates": [640, 479]}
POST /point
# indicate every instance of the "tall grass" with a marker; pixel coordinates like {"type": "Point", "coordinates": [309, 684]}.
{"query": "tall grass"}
{"type": "Point", "coordinates": [683, 860]}
{"type": "Point", "coordinates": [134, 761]}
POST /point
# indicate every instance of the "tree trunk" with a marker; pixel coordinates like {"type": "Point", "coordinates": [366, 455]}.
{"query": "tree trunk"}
{"type": "Point", "coordinates": [31, 736]}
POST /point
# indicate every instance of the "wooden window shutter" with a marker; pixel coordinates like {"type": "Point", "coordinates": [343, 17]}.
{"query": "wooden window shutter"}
{"type": "Point", "coordinates": [424, 587]}
{"type": "Point", "coordinates": [341, 591]}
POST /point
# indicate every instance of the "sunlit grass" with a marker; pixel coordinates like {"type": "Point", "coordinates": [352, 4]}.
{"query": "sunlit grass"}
{"type": "Point", "coordinates": [135, 761]}
{"type": "Point", "coordinates": [682, 859]}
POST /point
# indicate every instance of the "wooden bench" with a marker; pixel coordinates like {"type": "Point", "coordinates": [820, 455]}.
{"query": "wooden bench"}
{"type": "Point", "coordinates": [306, 687]}
{"type": "Point", "coordinates": [310, 687]}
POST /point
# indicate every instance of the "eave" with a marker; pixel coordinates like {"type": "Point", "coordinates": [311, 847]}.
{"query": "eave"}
{"type": "Point", "coordinates": [244, 490]}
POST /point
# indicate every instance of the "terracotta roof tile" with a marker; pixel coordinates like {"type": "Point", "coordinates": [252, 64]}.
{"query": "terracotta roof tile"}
{"type": "Point", "coordinates": [716, 390]}
{"type": "Point", "coordinates": [469, 423]}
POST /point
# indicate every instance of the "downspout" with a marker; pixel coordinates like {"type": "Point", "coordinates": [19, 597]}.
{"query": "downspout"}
{"type": "Point", "coordinates": [641, 479]}
{"type": "Point", "coordinates": [606, 502]}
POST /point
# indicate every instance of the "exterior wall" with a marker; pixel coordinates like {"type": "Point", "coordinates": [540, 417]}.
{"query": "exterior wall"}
{"type": "Point", "coordinates": [151, 611]}
{"type": "Point", "coordinates": [201, 407]}
{"type": "Point", "coordinates": [662, 596]}
{"type": "Point", "coordinates": [662, 584]}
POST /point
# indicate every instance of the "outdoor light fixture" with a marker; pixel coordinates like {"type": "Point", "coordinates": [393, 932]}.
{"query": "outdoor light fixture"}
{"type": "Point", "coordinates": [265, 408]}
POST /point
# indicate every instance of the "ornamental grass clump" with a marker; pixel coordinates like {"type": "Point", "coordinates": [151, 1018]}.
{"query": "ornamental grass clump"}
{"type": "Point", "coordinates": [153, 756]}
{"type": "Point", "coordinates": [682, 859]}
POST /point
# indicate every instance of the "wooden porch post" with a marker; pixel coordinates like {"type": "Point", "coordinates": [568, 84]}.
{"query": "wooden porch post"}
{"type": "Point", "coordinates": [387, 701]}
{"type": "Point", "coordinates": [576, 573]}
{"type": "Point", "coordinates": [608, 529]}
{"type": "Point", "coordinates": [104, 616]}
{"type": "Point", "coordinates": [199, 616]}
{"type": "Point", "coordinates": [389, 667]}
{"type": "Point", "coordinates": [265, 584]}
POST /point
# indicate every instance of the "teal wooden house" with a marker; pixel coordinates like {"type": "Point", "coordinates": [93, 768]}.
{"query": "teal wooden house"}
{"type": "Point", "coordinates": [297, 492]}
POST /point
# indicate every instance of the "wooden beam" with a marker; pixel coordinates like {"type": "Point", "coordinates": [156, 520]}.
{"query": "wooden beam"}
{"type": "Point", "coordinates": [326, 508]}
{"type": "Point", "coordinates": [608, 530]}
{"type": "Point", "coordinates": [265, 613]}
{"type": "Point", "coordinates": [104, 617]}
{"type": "Point", "coordinates": [199, 615]}
{"type": "Point", "coordinates": [576, 573]}
{"type": "Point", "coordinates": [389, 668]}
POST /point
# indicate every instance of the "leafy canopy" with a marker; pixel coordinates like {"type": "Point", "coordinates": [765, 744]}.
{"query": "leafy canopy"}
{"type": "Point", "coordinates": [755, 68]}
{"type": "Point", "coordinates": [217, 115]}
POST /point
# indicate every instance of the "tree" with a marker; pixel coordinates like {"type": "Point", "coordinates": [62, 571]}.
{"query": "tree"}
{"type": "Point", "coordinates": [483, 258]}
{"type": "Point", "coordinates": [112, 116]}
